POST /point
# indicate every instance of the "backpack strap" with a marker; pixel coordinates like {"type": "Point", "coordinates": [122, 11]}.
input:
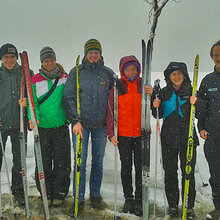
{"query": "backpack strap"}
{"type": "Point", "coordinates": [50, 91]}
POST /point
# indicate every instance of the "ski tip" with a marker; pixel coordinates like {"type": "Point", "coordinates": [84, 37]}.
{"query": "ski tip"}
{"type": "Point", "coordinates": [77, 59]}
{"type": "Point", "coordinates": [143, 43]}
{"type": "Point", "coordinates": [149, 43]}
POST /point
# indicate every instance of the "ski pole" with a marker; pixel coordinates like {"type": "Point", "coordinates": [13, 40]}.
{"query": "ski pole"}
{"type": "Point", "coordinates": [158, 145]}
{"type": "Point", "coordinates": [155, 178]}
{"type": "Point", "coordinates": [7, 173]}
{"type": "Point", "coordinates": [116, 153]}
{"type": "Point", "coordinates": [0, 195]}
{"type": "Point", "coordinates": [162, 172]}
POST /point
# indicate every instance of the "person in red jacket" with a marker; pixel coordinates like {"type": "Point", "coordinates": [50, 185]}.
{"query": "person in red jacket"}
{"type": "Point", "coordinates": [129, 131]}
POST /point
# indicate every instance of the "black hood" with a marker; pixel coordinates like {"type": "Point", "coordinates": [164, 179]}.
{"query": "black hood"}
{"type": "Point", "coordinates": [176, 66]}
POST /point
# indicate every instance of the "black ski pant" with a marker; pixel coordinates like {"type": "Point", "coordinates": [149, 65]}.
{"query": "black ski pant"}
{"type": "Point", "coordinates": [55, 149]}
{"type": "Point", "coordinates": [130, 152]}
{"type": "Point", "coordinates": [212, 154]}
{"type": "Point", "coordinates": [170, 164]}
{"type": "Point", "coordinates": [17, 184]}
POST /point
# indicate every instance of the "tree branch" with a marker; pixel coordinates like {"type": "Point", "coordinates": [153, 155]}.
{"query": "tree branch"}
{"type": "Point", "coordinates": [155, 11]}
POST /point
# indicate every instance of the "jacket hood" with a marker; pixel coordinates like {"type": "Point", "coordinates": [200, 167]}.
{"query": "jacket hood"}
{"type": "Point", "coordinates": [125, 62]}
{"type": "Point", "coordinates": [176, 66]}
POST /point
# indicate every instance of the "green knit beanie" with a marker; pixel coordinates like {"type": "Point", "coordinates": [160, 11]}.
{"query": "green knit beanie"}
{"type": "Point", "coordinates": [92, 44]}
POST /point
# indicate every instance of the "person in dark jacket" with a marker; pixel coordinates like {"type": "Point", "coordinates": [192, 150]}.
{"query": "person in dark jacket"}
{"type": "Point", "coordinates": [209, 126]}
{"type": "Point", "coordinates": [129, 131]}
{"type": "Point", "coordinates": [10, 90]}
{"type": "Point", "coordinates": [95, 81]}
{"type": "Point", "coordinates": [174, 107]}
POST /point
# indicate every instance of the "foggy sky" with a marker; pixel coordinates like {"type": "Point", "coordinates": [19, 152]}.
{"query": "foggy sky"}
{"type": "Point", "coordinates": [184, 29]}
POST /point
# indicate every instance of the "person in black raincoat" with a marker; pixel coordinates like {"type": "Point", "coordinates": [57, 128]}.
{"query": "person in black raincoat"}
{"type": "Point", "coordinates": [209, 126]}
{"type": "Point", "coordinates": [174, 107]}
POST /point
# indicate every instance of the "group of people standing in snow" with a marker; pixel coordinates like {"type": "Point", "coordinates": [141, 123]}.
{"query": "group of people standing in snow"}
{"type": "Point", "coordinates": [56, 111]}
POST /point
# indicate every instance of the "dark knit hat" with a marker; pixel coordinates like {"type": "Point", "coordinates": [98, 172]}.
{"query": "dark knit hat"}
{"type": "Point", "coordinates": [47, 52]}
{"type": "Point", "coordinates": [92, 44]}
{"type": "Point", "coordinates": [8, 49]}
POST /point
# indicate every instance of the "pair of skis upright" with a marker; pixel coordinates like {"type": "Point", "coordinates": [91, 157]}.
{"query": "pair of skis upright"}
{"type": "Point", "coordinates": [26, 75]}
{"type": "Point", "coordinates": [145, 128]}
{"type": "Point", "coordinates": [190, 145]}
{"type": "Point", "coordinates": [78, 158]}
{"type": "Point", "coordinates": [23, 141]}
{"type": "Point", "coordinates": [145, 132]}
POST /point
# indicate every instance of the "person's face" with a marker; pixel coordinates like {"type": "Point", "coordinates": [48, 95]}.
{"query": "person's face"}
{"type": "Point", "coordinates": [216, 57]}
{"type": "Point", "coordinates": [49, 64]}
{"type": "Point", "coordinates": [9, 61]}
{"type": "Point", "coordinates": [93, 56]}
{"type": "Point", "coordinates": [176, 78]}
{"type": "Point", "coordinates": [130, 71]}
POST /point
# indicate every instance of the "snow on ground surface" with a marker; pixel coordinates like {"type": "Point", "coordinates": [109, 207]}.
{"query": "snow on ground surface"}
{"type": "Point", "coordinates": [203, 196]}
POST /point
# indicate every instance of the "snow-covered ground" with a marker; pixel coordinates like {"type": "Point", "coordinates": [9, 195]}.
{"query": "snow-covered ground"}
{"type": "Point", "coordinates": [203, 196]}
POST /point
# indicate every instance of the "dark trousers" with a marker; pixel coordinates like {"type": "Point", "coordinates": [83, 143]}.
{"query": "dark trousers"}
{"type": "Point", "coordinates": [17, 184]}
{"type": "Point", "coordinates": [170, 165]}
{"type": "Point", "coordinates": [212, 154]}
{"type": "Point", "coordinates": [55, 149]}
{"type": "Point", "coordinates": [130, 151]}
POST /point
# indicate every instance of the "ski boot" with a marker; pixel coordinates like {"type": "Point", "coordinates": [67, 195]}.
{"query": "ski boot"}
{"type": "Point", "coordinates": [173, 213]}
{"type": "Point", "coordinates": [19, 200]}
{"type": "Point", "coordinates": [138, 209]}
{"type": "Point", "coordinates": [128, 206]}
{"type": "Point", "coordinates": [191, 214]}
{"type": "Point", "coordinates": [97, 203]}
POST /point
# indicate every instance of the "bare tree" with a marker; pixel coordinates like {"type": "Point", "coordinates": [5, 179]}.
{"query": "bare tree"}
{"type": "Point", "coordinates": [156, 8]}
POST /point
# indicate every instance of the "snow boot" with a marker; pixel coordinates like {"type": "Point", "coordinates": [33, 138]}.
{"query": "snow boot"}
{"type": "Point", "coordinates": [213, 215]}
{"type": "Point", "coordinates": [19, 199]}
{"type": "Point", "coordinates": [173, 212]}
{"type": "Point", "coordinates": [128, 206]}
{"type": "Point", "coordinates": [81, 207]}
{"type": "Point", "coordinates": [97, 203]}
{"type": "Point", "coordinates": [138, 209]}
{"type": "Point", "coordinates": [191, 214]}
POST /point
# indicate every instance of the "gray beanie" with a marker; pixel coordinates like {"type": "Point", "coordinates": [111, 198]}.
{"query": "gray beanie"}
{"type": "Point", "coordinates": [47, 52]}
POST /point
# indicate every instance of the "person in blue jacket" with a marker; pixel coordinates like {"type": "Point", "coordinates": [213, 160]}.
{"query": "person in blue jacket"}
{"type": "Point", "coordinates": [95, 81]}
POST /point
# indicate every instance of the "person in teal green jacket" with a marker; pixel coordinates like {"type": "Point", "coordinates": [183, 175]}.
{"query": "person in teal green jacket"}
{"type": "Point", "coordinates": [53, 127]}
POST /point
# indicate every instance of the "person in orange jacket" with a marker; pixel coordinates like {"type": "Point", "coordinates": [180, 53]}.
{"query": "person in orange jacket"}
{"type": "Point", "coordinates": [129, 131]}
